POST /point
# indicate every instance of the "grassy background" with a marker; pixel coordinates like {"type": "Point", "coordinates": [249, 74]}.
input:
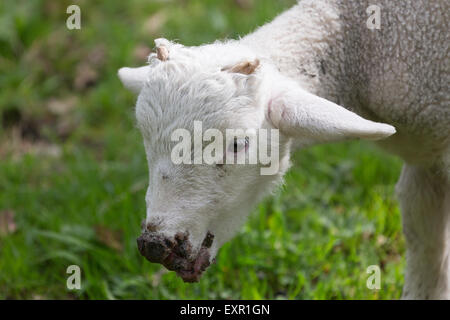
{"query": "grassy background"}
{"type": "Point", "coordinates": [73, 171]}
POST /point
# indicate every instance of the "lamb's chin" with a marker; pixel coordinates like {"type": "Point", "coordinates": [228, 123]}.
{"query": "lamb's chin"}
{"type": "Point", "coordinates": [196, 267]}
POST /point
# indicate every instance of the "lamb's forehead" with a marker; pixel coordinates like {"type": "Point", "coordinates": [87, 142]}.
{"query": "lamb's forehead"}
{"type": "Point", "coordinates": [191, 86]}
{"type": "Point", "coordinates": [176, 101]}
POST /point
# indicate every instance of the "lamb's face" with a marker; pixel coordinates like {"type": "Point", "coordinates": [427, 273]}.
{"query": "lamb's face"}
{"type": "Point", "coordinates": [204, 179]}
{"type": "Point", "coordinates": [197, 198]}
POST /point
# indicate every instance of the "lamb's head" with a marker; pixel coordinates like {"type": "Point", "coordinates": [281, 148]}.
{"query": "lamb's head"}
{"type": "Point", "coordinates": [205, 177]}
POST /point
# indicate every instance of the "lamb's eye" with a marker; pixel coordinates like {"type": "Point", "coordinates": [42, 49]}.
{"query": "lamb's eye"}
{"type": "Point", "coordinates": [238, 145]}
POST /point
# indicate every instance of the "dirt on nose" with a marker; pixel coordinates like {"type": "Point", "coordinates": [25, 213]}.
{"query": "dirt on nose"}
{"type": "Point", "coordinates": [153, 247]}
{"type": "Point", "coordinates": [175, 254]}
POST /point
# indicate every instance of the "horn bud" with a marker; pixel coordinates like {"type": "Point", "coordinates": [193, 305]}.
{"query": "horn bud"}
{"type": "Point", "coordinates": [162, 53]}
{"type": "Point", "coordinates": [245, 67]}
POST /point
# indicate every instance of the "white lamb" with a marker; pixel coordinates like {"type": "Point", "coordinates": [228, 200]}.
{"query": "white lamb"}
{"type": "Point", "coordinates": [294, 74]}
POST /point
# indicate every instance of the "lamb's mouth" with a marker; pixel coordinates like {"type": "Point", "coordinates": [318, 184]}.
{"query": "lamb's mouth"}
{"type": "Point", "coordinates": [175, 254]}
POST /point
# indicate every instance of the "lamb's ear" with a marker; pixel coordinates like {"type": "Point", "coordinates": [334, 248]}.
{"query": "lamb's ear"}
{"type": "Point", "coordinates": [311, 119]}
{"type": "Point", "coordinates": [134, 78]}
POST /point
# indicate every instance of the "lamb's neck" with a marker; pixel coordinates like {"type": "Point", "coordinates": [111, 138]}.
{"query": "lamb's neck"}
{"type": "Point", "coordinates": [297, 42]}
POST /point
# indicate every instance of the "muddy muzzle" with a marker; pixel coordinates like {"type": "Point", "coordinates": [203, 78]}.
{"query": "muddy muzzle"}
{"type": "Point", "coordinates": [176, 253]}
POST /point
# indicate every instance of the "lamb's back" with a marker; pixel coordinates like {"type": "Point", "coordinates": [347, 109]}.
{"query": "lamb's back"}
{"type": "Point", "coordinates": [399, 73]}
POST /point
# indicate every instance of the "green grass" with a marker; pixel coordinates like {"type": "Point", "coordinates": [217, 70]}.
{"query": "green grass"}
{"type": "Point", "coordinates": [314, 239]}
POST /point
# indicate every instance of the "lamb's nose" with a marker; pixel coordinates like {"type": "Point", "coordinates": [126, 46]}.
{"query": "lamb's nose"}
{"type": "Point", "coordinates": [153, 247]}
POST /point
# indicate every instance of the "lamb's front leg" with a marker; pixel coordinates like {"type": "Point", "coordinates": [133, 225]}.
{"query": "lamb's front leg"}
{"type": "Point", "coordinates": [424, 196]}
